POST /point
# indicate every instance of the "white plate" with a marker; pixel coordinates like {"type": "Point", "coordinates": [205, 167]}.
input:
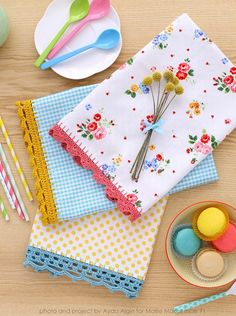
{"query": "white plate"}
{"type": "Point", "coordinates": [88, 63]}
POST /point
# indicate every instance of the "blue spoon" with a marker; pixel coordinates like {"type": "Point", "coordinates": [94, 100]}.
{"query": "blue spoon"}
{"type": "Point", "coordinates": [106, 40]}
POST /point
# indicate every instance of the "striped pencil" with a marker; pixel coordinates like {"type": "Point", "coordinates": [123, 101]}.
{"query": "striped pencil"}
{"type": "Point", "coordinates": [11, 191]}
{"type": "Point", "coordinates": [4, 211]}
{"type": "Point", "coordinates": [13, 182]}
{"type": "Point", "coordinates": [16, 161]}
{"type": "Point", "coordinates": [7, 193]}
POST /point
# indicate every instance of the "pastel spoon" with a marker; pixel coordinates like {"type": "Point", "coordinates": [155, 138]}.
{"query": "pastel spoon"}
{"type": "Point", "coordinates": [78, 10]}
{"type": "Point", "coordinates": [98, 10]}
{"type": "Point", "coordinates": [106, 40]}
{"type": "Point", "coordinates": [202, 301]}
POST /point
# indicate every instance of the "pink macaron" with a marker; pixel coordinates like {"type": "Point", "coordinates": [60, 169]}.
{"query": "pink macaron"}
{"type": "Point", "coordinates": [227, 242]}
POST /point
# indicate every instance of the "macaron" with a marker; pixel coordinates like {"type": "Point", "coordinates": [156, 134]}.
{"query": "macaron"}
{"type": "Point", "coordinates": [209, 263]}
{"type": "Point", "coordinates": [211, 223]}
{"type": "Point", "coordinates": [227, 242]}
{"type": "Point", "coordinates": [185, 242]}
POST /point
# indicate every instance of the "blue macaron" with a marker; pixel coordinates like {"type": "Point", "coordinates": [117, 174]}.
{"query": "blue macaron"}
{"type": "Point", "coordinates": [185, 242]}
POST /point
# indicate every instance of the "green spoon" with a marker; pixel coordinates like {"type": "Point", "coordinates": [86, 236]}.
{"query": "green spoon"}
{"type": "Point", "coordinates": [78, 10]}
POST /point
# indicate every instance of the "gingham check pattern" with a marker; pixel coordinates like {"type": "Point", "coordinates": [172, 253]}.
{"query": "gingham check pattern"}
{"type": "Point", "coordinates": [76, 194]}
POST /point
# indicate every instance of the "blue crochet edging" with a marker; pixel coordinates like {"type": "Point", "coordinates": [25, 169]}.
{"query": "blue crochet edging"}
{"type": "Point", "coordinates": [57, 265]}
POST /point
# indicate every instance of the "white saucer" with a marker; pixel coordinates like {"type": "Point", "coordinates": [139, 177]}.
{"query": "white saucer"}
{"type": "Point", "coordinates": [88, 63]}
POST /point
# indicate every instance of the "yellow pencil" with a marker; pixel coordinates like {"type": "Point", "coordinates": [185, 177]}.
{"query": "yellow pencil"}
{"type": "Point", "coordinates": [16, 161]}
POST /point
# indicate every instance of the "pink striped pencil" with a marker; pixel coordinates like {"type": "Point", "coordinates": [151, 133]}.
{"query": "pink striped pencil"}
{"type": "Point", "coordinates": [11, 191]}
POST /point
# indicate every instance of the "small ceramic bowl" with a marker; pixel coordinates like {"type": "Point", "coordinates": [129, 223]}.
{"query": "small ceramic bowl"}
{"type": "Point", "coordinates": [183, 267]}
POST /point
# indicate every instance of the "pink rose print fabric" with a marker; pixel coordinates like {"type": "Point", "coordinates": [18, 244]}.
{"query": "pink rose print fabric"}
{"type": "Point", "coordinates": [95, 128]}
{"type": "Point", "coordinates": [107, 137]}
{"type": "Point", "coordinates": [227, 81]}
{"type": "Point", "coordinates": [184, 70]}
{"type": "Point", "coordinates": [202, 145]}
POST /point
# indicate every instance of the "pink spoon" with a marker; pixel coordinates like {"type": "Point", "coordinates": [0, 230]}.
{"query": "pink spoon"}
{"type": "Point", "coordinates": [98, 10]}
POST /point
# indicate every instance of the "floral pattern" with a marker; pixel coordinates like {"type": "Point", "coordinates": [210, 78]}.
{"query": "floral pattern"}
{"type": "Point", "coordinates": [199, 34]}
{"type": "Point", "coordinates": [117, 160]}
{"type": "Point", "coordinates": [227, 82]}
{"type": "Point", "coordinates": [195, 108]}
{"type": "Point", "coordinates": [224, 60]}
{"type": "Point", "coordinates": [110, 169]}
{"type": "Point", "coordinates": [96, 128]}
{"type": "Point", "coordinates": [152, 147]}
{"type": "Point", "coordinates": [153, 68]}
{"type": "Point", "coordinates": [129, 62]}
{"type": "Point", "coordinates": [158, 164]}
{"type": "Point", "coordinates": [88, 107]}
{"type": "Point", "coordinates": [133, 198]}
{"type": "Point", "coordinates": [160, 40]}
{"type": "Point", "coordinates": [149, 119]}
{"type": "Point", "coordinates": [201, 145]}
{"type": "Point", "coordinates": [184, 70]}
{"type": "Point", "coordinates": [134, 89]}
{"type": "Point", "coordinates": [168, 156]}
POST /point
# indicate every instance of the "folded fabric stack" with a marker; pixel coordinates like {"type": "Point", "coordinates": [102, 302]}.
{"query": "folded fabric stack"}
{"type": "Point", "coordinates": [121, 114]}
{"type": "Point", "coordinates": [69, 248]}
{"type": "Point", "coordinates": [102, 133]}
{"type": "Point", "coordinates": [64, 190]}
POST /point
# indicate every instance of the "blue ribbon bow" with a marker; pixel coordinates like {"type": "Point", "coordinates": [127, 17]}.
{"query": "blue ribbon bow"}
{"type": "Point", "coordinates": [156, 127]}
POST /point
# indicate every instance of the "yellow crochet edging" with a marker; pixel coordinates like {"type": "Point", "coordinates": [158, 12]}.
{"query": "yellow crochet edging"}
{"type": "Point", "coordinates": [40, 173]}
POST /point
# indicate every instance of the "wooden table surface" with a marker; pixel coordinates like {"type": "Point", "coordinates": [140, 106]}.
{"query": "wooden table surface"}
{"type": "Point", "coordinates": [24, 292]}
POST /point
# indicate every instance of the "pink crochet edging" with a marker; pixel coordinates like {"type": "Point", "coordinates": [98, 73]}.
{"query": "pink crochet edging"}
{"type": "Point", "coordinates": [81, 157]}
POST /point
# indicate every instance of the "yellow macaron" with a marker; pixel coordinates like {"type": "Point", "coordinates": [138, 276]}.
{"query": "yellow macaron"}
{"type": "Point", "coordinates": [211, 223]}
